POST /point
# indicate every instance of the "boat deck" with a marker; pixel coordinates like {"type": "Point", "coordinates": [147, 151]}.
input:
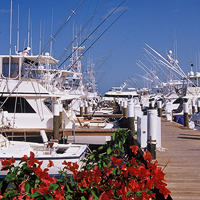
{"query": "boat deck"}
{"type": "Point", "coordinates": [181, 159]}
{"type": "Point", "coordinates": [78, 132]}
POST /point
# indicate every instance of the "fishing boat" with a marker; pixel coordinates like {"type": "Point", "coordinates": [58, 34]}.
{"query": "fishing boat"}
{"type": "Point", "coordinates": [120, 93]}
{"type": "Point", "coordinates": [28, 98]}
{"type": "Point", "coordinates": [48, 150]}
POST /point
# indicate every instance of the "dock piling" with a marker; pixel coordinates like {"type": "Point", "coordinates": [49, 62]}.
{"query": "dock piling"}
{"type": "Point", "coordinates": [152, 131]}
{"type": "Point", "coordinates": [198, 106]}
{"type": "Point", "coordinates": [193, 106]}
{"type": "Point", "coordinates": [185, 109]}
{"type": "Point", "coordinates": [56, 121]}
{"type": "Point", "coordinates": [131, 121]}
{"type": "Point", "coordinates": [86, 107]}
{"type": "Point", "coordinates": [81, 109]}
{"type": "Point", "coordinates": [159, 108]}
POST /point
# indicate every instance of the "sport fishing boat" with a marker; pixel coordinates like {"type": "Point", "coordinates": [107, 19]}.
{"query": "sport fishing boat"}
{"type": "Point", "coordinates": [120, 93]}
{"type": "Point", "coordinates": [29, 87]}
{"type": "Point", "coordinates": [48, 150]}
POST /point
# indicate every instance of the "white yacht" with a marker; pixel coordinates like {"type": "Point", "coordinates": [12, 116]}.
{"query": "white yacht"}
{"type": "Point", "coordinates": [29, 86]}
{"type": "Point", "coordinates": [120, 93]}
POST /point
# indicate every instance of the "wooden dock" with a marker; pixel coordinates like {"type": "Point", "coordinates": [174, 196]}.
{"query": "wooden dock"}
{"type": "Point", "coordinates": [180, 159]}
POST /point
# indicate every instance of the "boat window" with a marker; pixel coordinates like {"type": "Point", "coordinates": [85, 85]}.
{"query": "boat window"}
{"type": "Point", "coordinates": [14, 67]}
{"type": "Point", "coordinates": [177, 101]}
{"type": "Point", "coordinates": [48, 103]}
{"type": "Point", "coordinates": [16, 105]}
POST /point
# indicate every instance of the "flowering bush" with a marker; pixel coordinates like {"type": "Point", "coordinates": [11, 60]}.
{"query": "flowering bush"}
{"type": "Point", "coordinates": [108, 173]}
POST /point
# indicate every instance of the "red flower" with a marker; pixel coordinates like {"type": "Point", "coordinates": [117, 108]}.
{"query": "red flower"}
{"type": "Point", "coordinates": [71, 166]}
{"type": "Point", "coordinates": [134, 186]}
{"type": "Point", "coordinates": [165, 192]}
{"type": "Point", "coordinates": [59, 194]}
{"type": "Point", "coordinates": [24, 158]}
{"type": "Point", "coordinates": [83, 183]}
{"type": "Point", "coordinates": [43, 188]}
{"type": "Point", "coordinates": [147, 156]}
{"type": "Point", "coordinates": [104, 196]}
{"type": "Point", "coordinates": [134, 148]}
{"type": "Point", "coordinates": [149, 183]}
{"type": "Point", "coordinates": [133, 161]}
{"type": "Point", "coordinates": [116, 161]}
{"type": "Point", "coordinates": [144, 173]}
{"type": "Point", "coordinates": [51, 164]}
{"type": "Point", "coordinates": [6, 164]}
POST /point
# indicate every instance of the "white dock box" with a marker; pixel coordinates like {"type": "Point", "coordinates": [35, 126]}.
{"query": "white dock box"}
{"type": "Point", "coordinates": [142, 130]}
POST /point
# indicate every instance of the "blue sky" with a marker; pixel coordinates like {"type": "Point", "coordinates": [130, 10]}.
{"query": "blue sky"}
{"type": "Point", "coordinates": [158, 23]}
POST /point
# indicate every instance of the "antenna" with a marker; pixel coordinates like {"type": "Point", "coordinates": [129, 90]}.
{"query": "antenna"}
{"type": "Point", "coordinates": [31, 38]}
{"type": "Point", "coordinates": [10, 38]}
{"type": "Point", "coordinates": [40, 43]}
{"type": "Point", "coordinates": [43, 37]}
{"type": "Point", "coordinates": [18, 30]}
{"type": "Point", "coordinates": [51, 33]}
{"type": "Point", "coordinates": [28, 26]}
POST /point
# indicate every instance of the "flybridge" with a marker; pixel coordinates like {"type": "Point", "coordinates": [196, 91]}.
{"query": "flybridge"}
{"type": "Point", "coordinates": [14, 66]}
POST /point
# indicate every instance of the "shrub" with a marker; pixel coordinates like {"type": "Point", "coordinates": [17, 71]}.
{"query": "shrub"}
{"type": "Point", "coordinates": [107, 173]}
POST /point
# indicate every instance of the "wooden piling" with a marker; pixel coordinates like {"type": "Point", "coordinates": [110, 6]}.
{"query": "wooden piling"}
{"type": "Point", "coordinates": [185, 109]}
{"type": "Point", "coordinates": [56, 121]}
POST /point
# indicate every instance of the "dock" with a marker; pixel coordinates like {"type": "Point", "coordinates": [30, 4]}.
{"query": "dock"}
{"type": "Point", "coordinates": [179, 156]}
{"type": "Point", "coordinates": [180, 159]}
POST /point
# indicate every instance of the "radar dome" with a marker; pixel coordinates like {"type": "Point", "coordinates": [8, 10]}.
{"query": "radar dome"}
{"type": "Point", "coordinates": [170, 51]}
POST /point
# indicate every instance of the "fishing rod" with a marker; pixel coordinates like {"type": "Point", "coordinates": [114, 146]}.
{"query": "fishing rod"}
{"type": "Point", "coordinates": [108, 54]}
{"type": "Point", "coordinates": [155, 64]}
{"type": "Point", "coordinates": [97, 39]}
{"type": "Point", "coordinates": [82, 30]}
{"type": "Point", "coordinates": [89, 36]}
{"type": "Point", "coordinates": [161, 63]}
{"type": "Point", "coordinates": [169, 65]}
{"type": "Point", "coordinates": [143, 66]}
{"type": "Point", "coordinates": [52, 38]}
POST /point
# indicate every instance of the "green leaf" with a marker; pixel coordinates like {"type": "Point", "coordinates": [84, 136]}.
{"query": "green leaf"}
{"type": "Point", "coordinates": [48, 197]}
{"type": "Point", "coordinates": [15, 169]}
{"type": "Point", "coordinates": [10, 194]}
{"type": "Point", "coordinates": [129, 192]}
{"type": "Point", "coordinates": [120, 144]}
{"type": "Point", "coordinates": [104, 164]}
{"type": "Point", "coordinates": [10, 177]}
{"type": "Point", "coordinates": [82, 189]}
{"type": "Point", "coordinates": [95, 193]}
{"type": "Point", "coordinates": [68, 197]}
{"type": "Point", "coordinates": [53, 186]}
{"type": "Point", "coordinates": [68, 189]}
{"type": "Point", "coordinates": [113, 136]}
{"type": "Point", "coordinates": [138, 194]}
{"type": "Point", "coordinates": [91, 156]}
{"type": "Point", "coordinates": [35, 194]}
{"type": "Point", "coordinates": [27, 187]}
{"type": "Point", "coordinates": [109, 150]}
{"type": "Point", "coordinates": [83, 198]}
{"type": "Point", "coordinates": [100, 148]}
{"type": "Point", "coordinates": [114, 171]}
{"type": "Point", "coordinates": [89, 166]}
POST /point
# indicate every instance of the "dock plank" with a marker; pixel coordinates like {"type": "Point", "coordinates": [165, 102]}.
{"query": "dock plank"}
{"type": "Point", "coordinates": [180, 159]}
